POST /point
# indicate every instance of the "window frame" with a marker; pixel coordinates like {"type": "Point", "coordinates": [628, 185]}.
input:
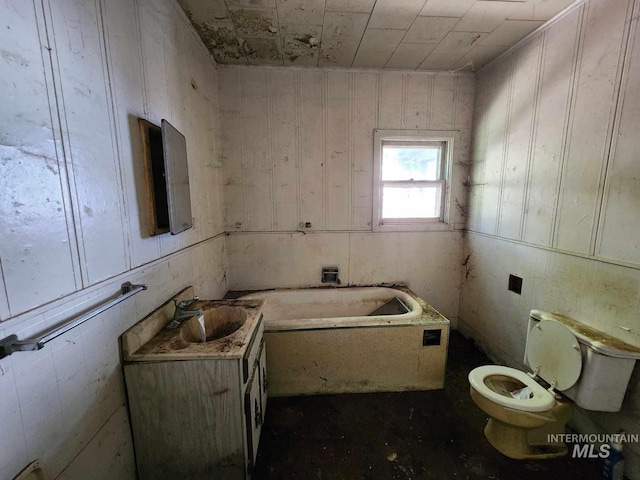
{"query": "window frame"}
{"type": "Point", "coordinates": [447, 138]}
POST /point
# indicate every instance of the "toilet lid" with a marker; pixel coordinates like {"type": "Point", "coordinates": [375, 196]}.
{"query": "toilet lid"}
{"type": "Point", "coordinates": [555, 350]}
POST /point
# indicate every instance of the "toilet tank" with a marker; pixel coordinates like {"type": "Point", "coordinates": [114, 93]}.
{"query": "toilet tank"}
{"type": "Point", "coordinates": [607, 364]}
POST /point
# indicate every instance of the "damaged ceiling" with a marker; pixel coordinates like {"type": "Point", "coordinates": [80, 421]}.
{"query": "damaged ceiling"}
{"type": "Point", "coordinates": [393, 34]}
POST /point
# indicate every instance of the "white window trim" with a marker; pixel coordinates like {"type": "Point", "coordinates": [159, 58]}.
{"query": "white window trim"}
{"type": "Point", "coordinates": [412, 225]}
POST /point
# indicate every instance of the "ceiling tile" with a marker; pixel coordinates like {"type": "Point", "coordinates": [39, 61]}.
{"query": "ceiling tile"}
{"type": "Point", "coordinates": [429, 29]}
{"type": "Point", "coordinates": [362, 6]}
{"type": "Point", "coordinates": [447, 8]}
{"type": "Point", "coordinates": [478, 57]}
{"type": "Point", "coordinates": [204, 11]}
{"type": "Point", "coordinates": [452, 48]}
{"type": "Point", "coordinates": [397, 14]}
{"type": "Point", "coordinates": [255, 23]}
{"type": "Point", "coordinates": [221, 38]}
{"type": "Point", "coordinates": [409, 55]}
{"type": "Point", "coordinates": [484, 17]}
{"type": "Point", "coordinates": [300, 12]}
{"type": "Point", "coordinates": [376, 47]}
{"type": "Point", "coordinates": [341, 36]}
{"type": "Point", "coordinates": [280, 31]}
{"type": "Point", "coordinates": [252, 3]}
{"type": "Point", "coordinates": [298, 44]}
{"type": "Point", "coordinates": [263, 51]}
{"type": "Point", "coordinates": [510, 32]}
{"type": "Point", "coordinates": [538, 9]}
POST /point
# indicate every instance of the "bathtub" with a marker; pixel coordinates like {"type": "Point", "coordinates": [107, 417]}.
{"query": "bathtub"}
{"type": "Point", "coordinates": [324, 341]}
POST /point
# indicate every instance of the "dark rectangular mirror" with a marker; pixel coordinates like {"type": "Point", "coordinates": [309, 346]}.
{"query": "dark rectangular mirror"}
{"type": "Point", "coordinates": [177, 178]}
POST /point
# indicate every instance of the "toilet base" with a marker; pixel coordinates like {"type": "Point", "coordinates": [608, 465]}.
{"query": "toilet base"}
{"type": "Point", "coordinates": [513, 442]}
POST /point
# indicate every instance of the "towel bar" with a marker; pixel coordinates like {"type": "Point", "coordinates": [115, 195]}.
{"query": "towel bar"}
{"type": "Point", "coordinates": [11, 344]}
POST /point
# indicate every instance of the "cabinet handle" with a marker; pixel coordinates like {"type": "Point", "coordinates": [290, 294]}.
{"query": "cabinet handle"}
{"type": "Point", "coordinates": [258, 416]}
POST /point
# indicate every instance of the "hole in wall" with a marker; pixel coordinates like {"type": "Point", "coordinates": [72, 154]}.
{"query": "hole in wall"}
{"type": "Point", "coordinates": [515, 284]}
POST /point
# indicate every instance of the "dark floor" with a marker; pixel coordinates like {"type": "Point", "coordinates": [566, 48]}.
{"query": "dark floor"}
{"type": "Point", "coordinates": [411, 435]}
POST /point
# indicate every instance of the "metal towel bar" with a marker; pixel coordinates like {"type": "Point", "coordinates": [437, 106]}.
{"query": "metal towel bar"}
{"type": "Point", "coordinates": [11, 344]}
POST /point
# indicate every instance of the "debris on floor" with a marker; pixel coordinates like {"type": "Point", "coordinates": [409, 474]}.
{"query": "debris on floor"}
{"type": "Point", "coordinates": [409, 435]}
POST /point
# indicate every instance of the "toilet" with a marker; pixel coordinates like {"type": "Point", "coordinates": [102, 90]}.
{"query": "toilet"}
{"type": "Point", "coordinates": [589, 367]}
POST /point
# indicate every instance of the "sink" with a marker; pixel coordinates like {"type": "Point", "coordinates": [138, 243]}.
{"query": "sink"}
{"type": "Point", "coordinates": [214, 324]}
{"type": "Point", "coordinates": [224, 331]}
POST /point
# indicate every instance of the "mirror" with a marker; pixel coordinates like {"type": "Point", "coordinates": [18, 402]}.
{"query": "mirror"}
{"type": "Point", "coordinates": [167, 178]}
{"type": "Point", "coordinates": [177, 178]}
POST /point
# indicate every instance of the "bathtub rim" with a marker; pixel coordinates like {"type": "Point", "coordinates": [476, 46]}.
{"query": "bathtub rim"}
{"type": "Point", "coordinates": [428, 316]}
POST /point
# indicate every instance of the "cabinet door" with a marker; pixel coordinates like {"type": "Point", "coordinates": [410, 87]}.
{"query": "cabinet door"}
{"type": "Point", "coordinates": [264, 379]}
{"type": "Point", "coordinates": [253, 414]}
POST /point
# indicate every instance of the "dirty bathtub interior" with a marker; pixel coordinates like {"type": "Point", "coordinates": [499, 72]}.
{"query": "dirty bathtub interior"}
{"type": "Point", "coordinates": [325, 340]}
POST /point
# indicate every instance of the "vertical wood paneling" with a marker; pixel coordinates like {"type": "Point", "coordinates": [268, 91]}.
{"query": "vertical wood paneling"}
{"type": "Point", "coordinates": [232, 149]}
{"type": "Point", "coordinates": [158, 57]}
{"type": "Point", "coordinates": [5, 312]}
{"type": "Point", "coordinates": [201, 138]}
{"type": "Point", "coordinates": [326, 119]}
{"type": "Point", "coordinates": [34, 208]}
{"type": "Point", "coordinates": [525, 81]}
{"type": "Point", "coordinates": [559, 59]}
{"type": "Point", "coordinates": [580, 122]}
{"type": "Point", "coordinates": [463, 94]}
{"type": "Point", "coordinates": [338, 188]}
{"type": "Point", "coordinates": [174, 68]}
{"type": "Point", "coordinates": [620, 230]}
{"type": "Point", "coordinates": [108, 66]}
{"type": "Point", "coordinates": [442, 108]}
{"type": "Point", "coordinates": [391, 101]}
{"type": "Point", "coordinates": [284, 149]}
{"type": "Point", "coordinates": [363, 123]}
{"type": "Point", "coordinates": [210, 85]}
{"type": "Point", "coordinates": [592, 120]}
{"type": "Point", "coordinates": [258, 167]}
{"type": "Point", "coordinates": [151, 23]}
{"type": "Point", "coordinates": [418, 99]}
{"type": "Point", "coordinates": [312, 148]}
{"type": "Point", "coordinates": [91, 149]}
{"type": "Point", "coordinates": [498, 106]}
{"type": "Point", "coordinates": [127, 88]}
{"type": "Point", "coordinates": [464, 97]}
{"type": "Point", "coordinates": [478, 162]}
{"type": "Point", "coordinates": [71, 392]}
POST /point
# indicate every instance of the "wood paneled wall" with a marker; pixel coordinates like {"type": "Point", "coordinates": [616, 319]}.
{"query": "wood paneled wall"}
{"type": "Point", "coordinates": [74, 77]}
{"type": "Point", "coordinates": [556, 192]}
{"type": "Point", "coordinates": [297, 144]}
{"type": "Point", "coordinates": [555, 149]}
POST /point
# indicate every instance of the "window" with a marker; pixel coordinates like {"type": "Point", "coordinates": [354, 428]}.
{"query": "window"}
{"type": "Point", "coordinates": [411, 179]}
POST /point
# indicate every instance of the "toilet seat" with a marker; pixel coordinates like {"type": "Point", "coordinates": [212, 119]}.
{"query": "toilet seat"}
{"type": "Point", "coordinates": [540, 401]}
{"type": "Point", "coordinates": [554, 352]}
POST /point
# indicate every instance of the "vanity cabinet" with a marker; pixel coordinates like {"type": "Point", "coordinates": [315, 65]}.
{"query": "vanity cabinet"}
{"type": "Point", "coordinates": [255, 404]}
{"type": "Point", "coordinates": [198, 418]}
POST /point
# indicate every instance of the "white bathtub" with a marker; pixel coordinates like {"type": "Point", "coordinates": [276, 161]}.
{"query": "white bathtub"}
{"type": "Point", "coordinates": [321, 340]}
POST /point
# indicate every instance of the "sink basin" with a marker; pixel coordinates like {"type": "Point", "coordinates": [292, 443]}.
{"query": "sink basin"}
{"type": "Point", "coordinates": [218, 322]}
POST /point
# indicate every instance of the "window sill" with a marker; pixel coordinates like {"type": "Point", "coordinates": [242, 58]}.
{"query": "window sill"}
{"type": "Point", "coordinates": [434, 226]}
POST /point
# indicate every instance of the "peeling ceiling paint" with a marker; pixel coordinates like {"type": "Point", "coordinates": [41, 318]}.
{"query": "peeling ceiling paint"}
{"type": "Point", "coordinates": [398, 34]}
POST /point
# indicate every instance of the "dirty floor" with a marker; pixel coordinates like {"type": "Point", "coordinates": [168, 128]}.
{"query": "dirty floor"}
{"type": "Point", "coordinates": [410, 435]}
